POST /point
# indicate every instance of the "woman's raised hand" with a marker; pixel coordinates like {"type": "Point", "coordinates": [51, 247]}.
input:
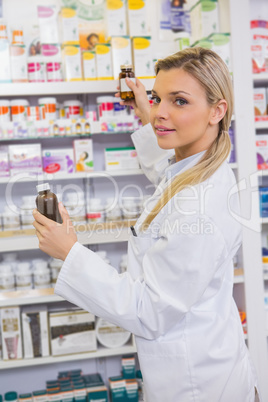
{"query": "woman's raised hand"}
{"type": "Point", "coordinates": [141, 103]}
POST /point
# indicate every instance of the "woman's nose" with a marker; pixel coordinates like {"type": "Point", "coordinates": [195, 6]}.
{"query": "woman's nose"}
{"type": "Point", "coordinates": [161, 110]}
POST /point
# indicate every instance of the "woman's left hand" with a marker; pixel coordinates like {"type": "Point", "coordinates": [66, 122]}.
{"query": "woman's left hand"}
{"type": "Point", "coordinates": [55, 239]}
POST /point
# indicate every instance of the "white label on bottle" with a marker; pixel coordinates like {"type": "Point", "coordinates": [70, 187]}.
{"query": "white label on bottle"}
{"type": "Point", "coordinates": [123, 85]}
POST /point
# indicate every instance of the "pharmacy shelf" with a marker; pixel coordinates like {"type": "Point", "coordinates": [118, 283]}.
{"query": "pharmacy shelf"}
{"type": "Point", "coordinates": [260, 125]}
{"type": "Point", "coordinates": [76, 136]}
{"type": "Point", "coordinates": [264, 221]}
{"type": "Point", "coordinates": [101, 352]}
{"type": "Point", "coordinates": [99, 233]}
{"type": "Point", "coordinates": [66, 88]}
{"type": "Point", "coordinates": [32, 296]}
{"type": "Point", "coordinates": [260, 78]}
{"type": "Point", "coordinates": [21, 177]}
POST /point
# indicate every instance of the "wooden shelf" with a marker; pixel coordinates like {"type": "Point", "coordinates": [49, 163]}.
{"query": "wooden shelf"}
{"type": "Point", "coordinates": [101, 352]}
{"type": "Point", "coordinates": [99, 233]}
{"type": "Point", "coordinates": [64, 88]}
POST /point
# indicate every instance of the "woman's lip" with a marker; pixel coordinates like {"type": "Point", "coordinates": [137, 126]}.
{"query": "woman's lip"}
{"type": "Point", "coordinates": [163, 131]}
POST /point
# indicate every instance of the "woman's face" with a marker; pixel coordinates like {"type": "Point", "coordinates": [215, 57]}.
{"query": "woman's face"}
{"type": "Point", "coordinates": [181, 116]}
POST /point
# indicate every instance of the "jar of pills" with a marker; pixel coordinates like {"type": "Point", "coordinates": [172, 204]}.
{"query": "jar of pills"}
{"type": "Point", "coordinates": [39, 262]}
{"type": "Point", "coordinates": [10, 259]}
{"type": "Point", "coordinates": [72, 109]}
{"type": "Point", "coordinates": [19, 109]}
{"type": "Point", "coordinates": [47, 107]}
{"type": "Point", "coordinates": [131, 207]}
{"type": "Point", "coordinates": [26, 212]}
{"type": "Point", "coordinates": [36, 69]}
{"type": "Point", "coordinates": [105, 106]}
{"type": "Point", "coordinates": [75, 205]}
{"type": "Point", "coordinates": [41, 277]}
{"type": "Point", "coordinates": [95, 212]}
{"type": "Point", "coordinates": [23, 276]}
{"type": "Point", "coordinates": [123, 263]}
{"type": "Point", "coordinates": [55, 266]}
{"type": "Point", "coordinates": [126, 72]}
{"type": "Point", "coordinates": [4, 110]}
{"type": "Point", "coordinates": [11, 219]}
{"type": "Point", "coordinates": [33, 113]}
{"type": "Point", "coordinates": [7, 278]}
{"type": "Point", "coordinates": [113, 211]}
{"type": "Point", "coordinates": [54, 71]}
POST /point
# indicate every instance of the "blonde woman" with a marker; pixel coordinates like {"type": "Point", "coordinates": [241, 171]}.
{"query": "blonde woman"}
{"type": "Point", "coordinates": [176, 297]}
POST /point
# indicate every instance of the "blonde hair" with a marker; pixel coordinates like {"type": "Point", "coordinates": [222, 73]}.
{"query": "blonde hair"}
{"type": "Point", "coordinates": [212, 74]}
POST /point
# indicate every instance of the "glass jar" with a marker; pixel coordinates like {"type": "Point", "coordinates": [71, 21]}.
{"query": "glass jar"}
{"type": "Point", "coordinates": [126, 72]}
{"type": "Point", "coordinates": [95, 213]}
{"type": "Point", "coordinates": [7, 278]}
{"type": "Point", "coordinates": [42, 278]}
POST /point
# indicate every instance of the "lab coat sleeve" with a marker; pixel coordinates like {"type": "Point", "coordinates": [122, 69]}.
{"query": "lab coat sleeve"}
{"type": "Point", "coordinates": [177, 270]}
{"type": "Point", "coordinates": [152, 158]}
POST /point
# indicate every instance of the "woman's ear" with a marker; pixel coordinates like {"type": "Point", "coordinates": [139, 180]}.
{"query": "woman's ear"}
{"type": "Point", "coordinates": [217, 112]}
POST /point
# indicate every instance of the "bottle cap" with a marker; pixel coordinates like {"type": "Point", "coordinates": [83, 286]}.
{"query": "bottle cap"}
{"type": "Point", "coordinates": [42, 187]}
{"type": "Point", "coordinates": [126, 66]}
{"type": "Point", "coordinates": [11, 396]}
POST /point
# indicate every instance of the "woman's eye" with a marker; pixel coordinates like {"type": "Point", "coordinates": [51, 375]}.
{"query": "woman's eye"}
{"type": "Point", "coordinates": [155, 99]}
{"type": "Point", "coordinates": [181, 101]}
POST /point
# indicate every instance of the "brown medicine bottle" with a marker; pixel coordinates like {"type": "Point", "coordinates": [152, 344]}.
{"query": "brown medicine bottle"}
{"type": "Point", "coordinates": [125, 91]}
{"type": "Point", "coordinates": [47, 203]}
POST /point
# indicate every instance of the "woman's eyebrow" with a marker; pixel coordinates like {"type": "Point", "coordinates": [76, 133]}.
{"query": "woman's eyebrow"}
{"type": "Point", "coordinates": [173, 93]}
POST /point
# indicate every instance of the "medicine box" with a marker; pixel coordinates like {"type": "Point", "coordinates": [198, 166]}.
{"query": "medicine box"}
{"type": "Point", "coordinates": [262, 151]}
{"type": "Point", "coordinates": [260, 104]}
{"type": "Point", "coordinates": [104, 61]}
{"type": "Point", "coordinates": [51, 52]}
{"type": "Point", "coordinates": [4, 162]}
{"type": "Point", "coordinates": [5, 68]}
{"type": "Point", "coordinates": [11, 333]}
{"type": "Point", "coordinates": [137, 17]}
{"type": "Point", "coordinates": [83, 155]}
{"type": "Point", "coordinates": [121, 158]}
{"type": "Point", "coordinates": [89, 65]}
{"type": "Point", "coordinates": [142, 57]}
{"type": "Point", "coordinates": [35, 332]}
{"type": "Point", "coordinates": [204, 19]}
{"type": "Point", "coordinates": [259, 45]}
{"type": "Point", "coordinates": [221, 44]}
{"type": "Point", "coordinates": [25, 159]}
{"type": "Point", "coordinates": [72, 332]}
{"type": "Point", "coordinates": [68, 23]}
{"type": "Point", "coordinates": [121, 53]}
{"type": "Point", "coordinates": [118, 389]}
{"type": "Point", "coordinates": [96, 389]}
{"type": "Point", "coordinates": [116, 18]}
{"type": "Point", "coordinates": [72, 61]}
{"type": "Point", "coordinates": [263, 196]}
{"type": "Point", "coordinates": [57, 161]}
{"type": "Point", "coordinates": [18, 61]}
{"type": "Point", "coordinates": [48, 23]}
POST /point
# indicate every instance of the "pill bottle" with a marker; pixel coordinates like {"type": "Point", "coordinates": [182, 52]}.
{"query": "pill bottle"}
{"type": "Point", "coordinates": [131, 207]}
{"type": "Point", "coordinates": [11, 396]}
{"type": "Point", "coordinates": [3, 31]}
{"type": "Point", "coordinates": [17, 36]}
{"type": "Point", "coordinates": [41, 277]}
{"type": "Point", "coordinates": [72, 109]}
{"type": "Point", "coordinates": [26, 214]}
{"type": "Point", "coordinates": [10, 259]}
{"type": "Point", "coordinates": [7, 278]}
{"type": "Point", "coordinates": [75, 205]}
{"type": "Point", "coordinates": [105, 106]}
{"type": "Point", "coordinates": [119, 110]}
{"type": "Point", "coordinates": [112, 211]}
{"type": "Point", "coordinates": [47, 107]}
{"type": "Point", "coordinates": [11, 219]}
{"type": "Point", "coordinates": [19, 109]}
{"type": "Point", "coordinates": [25, 398]}
{"type": "Point", "coordinates": [55, 267]}
{"type": "Point", "coordinates": [54, 71]}
{"type": "Point", "coordinates": [23, 276]}
{"type": "Point", "coordinates": [36, 69]}
{"type": "Point", "coordinates": [126, 72]}
{"type": "Point", "coordinates": [47, 203]}
{"type": "Point", "coordinates": [33, 113]}
{"type": "Point", "coordinates": [95, 212]}
{"type": "Point", "coordinates": [4, 110]}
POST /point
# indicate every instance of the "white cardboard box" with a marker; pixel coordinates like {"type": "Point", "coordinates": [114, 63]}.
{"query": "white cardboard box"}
{"type": "Point", "coordinates": [83, 155]}
{"type": "Point", "coordinates": [72, 332]}
{"type": "Point", "coordinates": [121, 158]}
{"type": "Point", "coordinates": [35, 332]}
{"type": "Point", "coordinates": [11, 333]}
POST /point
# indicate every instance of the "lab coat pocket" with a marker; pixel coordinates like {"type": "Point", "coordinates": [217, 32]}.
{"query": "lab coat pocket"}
{"type": "Point", "coordinates": [159, 360]}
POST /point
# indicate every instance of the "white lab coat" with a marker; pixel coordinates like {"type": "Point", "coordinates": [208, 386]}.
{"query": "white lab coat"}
{"type": "Point", "coordinates": [176, 296]}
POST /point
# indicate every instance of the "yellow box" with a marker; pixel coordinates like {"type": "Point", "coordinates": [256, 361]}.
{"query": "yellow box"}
{"type": "Point", "coordinates": [137, 18]}
{"type": "Point", "coordinates": [116, 17]}
{"type": "Point", "coordinates": [121, 53]}
{"type": "Point", "coordinates": [72, 63]}
{"type": "Point", "coordinates": [142, 57]}
{"type": "Point", "coordinates": [104, 61]}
